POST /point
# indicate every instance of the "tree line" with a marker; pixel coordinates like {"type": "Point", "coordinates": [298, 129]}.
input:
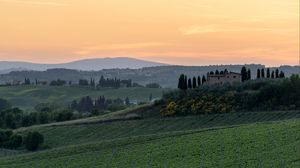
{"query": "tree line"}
{"type": "Point", "coordinates": [31, 141]}
{"type": "Point", "coordinates": [266, 73]}
{"type": "Point", "coordinates": [185, 83]}
{"type": "Point", "coordinates": [255, 95]}
{"type": "Point", "coordinates": [98, 105]}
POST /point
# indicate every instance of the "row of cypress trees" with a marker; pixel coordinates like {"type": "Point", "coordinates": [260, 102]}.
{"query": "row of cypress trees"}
{"type": "Point", "coordinates": [274, 74]}
{"type": "Point", "coordinates": [185, 83]}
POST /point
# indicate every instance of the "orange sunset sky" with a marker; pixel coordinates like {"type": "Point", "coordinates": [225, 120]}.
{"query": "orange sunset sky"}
{"type": "Point", "coordinates": [189, 32]}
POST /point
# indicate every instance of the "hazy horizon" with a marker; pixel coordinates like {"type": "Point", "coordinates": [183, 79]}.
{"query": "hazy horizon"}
{"type": "Point", "coordinates": [172, 32]}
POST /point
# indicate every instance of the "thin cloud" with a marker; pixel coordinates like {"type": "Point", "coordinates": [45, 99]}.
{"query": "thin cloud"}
{"type": "Point", "coordinates": [46, 3]}
{"type": "Point", "coordinates": [202, 29]}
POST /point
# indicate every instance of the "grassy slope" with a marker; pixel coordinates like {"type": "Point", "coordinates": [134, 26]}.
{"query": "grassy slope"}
{"type": "Point", "coordinates": [273, 144]}
{"type": "Point", "coordinates": [29, 96]}
{"type": "Point", "coordinates": [84, 131]}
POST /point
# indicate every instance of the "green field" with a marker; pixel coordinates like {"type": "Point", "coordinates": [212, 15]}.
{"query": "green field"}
{"type": "Point", "coordinates": [257, 139]}
{"type": "Point", "coordinates": [274, 144]}
{"type": "Point", "coordinates": [26, 97]}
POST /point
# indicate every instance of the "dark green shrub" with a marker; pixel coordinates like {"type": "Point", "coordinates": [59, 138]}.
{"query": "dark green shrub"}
{"type": "Point", "coordinates": [15, 142]}
{"type": "Point", "coordinates": [33, 141]}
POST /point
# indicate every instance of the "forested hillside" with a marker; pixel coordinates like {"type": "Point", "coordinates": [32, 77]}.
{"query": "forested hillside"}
{"type": "Point", "coordinates": [166, 76]}
{"type": "Point", "coordinates": [252, 95]}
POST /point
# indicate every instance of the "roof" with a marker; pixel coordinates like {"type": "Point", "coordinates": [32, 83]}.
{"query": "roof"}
{"type": "Point", "coordinates": [221, 75]}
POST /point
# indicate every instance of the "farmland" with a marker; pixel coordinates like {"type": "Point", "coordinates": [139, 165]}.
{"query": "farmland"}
{"type": "Point", "coordinates": [267, 144]}
{"type": "Point", "coordinates": [26, 97]}
{"type": "Point", "coordinates": [140, 136]}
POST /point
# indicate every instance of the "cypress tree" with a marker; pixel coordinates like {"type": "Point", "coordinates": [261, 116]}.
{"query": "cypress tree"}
{"type": "Point", "coordinates": [217, 72]}
{"type": "Point", "coordinates": [281, 75]}
{"type": "Point", "coordinates": [194, 82]}
{"type": "Point", "coordinates": [273, 75]}
{"type": "Point", "coordinates": [249, 74]}
{"type": "Point", "coordinates": [268, 73]}
{"type": "Point", "coordinates": [277, 73]}
{"type": "Point", "coordinates": [203, 80]}
{"type": "Point", "coordinates": [185, 83]}
{"type": "Point", "coordinates": [181, 82]}
{"type": "Point", "coordinates": [190, 83]}
{"type": "Point", "coordinates": [262, 73]}
{"type": "Point", "coordinates": [225, 71]}
{"type": "Point", "coordinates": [258, 74]}
{"type": "Point", "coordinates": [199, 81]}
{"type": "Point", "coordinates": [244, 74]}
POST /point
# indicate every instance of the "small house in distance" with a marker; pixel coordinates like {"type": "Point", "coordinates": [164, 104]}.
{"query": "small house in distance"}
{"type": "Point", "coordinates": [219, 79]}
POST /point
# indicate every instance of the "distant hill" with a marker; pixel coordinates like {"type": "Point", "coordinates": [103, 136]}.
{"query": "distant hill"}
{"type": "Point", "coordinates": [85, 65]}
{"type": "Point", "coordinates": [166, 76]}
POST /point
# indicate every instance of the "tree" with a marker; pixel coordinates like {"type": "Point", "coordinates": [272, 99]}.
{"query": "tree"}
{"type": "Point", "coordinates": [170, 110]}
{"type": "Point", "coordinates": [217, 72]}
{"type": "Point", "coordinates": [199, 81]}
{"type": "Point", "coordinates": [262, 73]}
{"type": "Point", "coordinates": [225, 71]}
{"type": "Point", "coordinates": [190, 83]}
{"type": "Point", "coordinates": [150, 97]}
{"type": "Point", "coordinates": [83, 82]}
{"type": "Point", "coordinates": [4, 104]}
{"type": "Point", "coordinates": [268, 73]}
{"type": "Point", "coordinates": [127, 101]}
{"type": "Point", "coordinates": [258, 74]}
{"type": "Point", "coordinates": [15, 141]}
{"type": "Point", "coordinates": [249, 74]}
{"type": "Point", "coordinates": [33, 141]}
{"type": "Point", "coordinates": [194, 82]}
{"type": "Point", "coordinates": [277, 73]}
{"type": "Point", "coordinates": [244, 74]}
{"type": "Point", "coordinates": [273, 75]}
{"type": "Point", "coordinates": [282, 75]}
{"type": "Point", "coordinates": [181, 82]}
{"type": "Point", "coordinates": [203, 79]}
{"type": "Point", "coordinates": [185, 84]}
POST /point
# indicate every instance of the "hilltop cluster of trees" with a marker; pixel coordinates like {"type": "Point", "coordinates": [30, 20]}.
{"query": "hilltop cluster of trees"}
{"type": "Point", "coordinates": [185, 83]}
{"type": "Point", "coordinates": [106, 82]}
{"type": "Point", "coordinates": [256, 95]}
{"type": "Point", "coordinates": [27, 81]}
{"type": "Point", "coordinates": [246, 74]}
{"type": "Point", "coordinates": [58, 82]}
{"type": "Point", "coordinates": [10, 140]}
{"type": "Point", "coordinates": [12, 118]}
{"type": "Point", "coordinates": [268, 74]}
{"type": "Point", "coordinates": [114, 82]}
{"type": "Point", "coordinates": [87, 104]}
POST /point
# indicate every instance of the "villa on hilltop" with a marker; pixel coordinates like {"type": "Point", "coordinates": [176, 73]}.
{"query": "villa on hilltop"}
{"type": "Point", "coordinates": [219, 79]}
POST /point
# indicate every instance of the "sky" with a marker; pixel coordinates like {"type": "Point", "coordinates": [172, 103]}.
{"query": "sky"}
{"type": "Point", "coordinates": [183, 32]}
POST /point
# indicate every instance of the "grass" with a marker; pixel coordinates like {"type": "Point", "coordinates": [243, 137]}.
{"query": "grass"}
{"type": "Point", "coordinates": [271, 144]}
{"type": "Point", "coordinates": [26, 97]}
{"type": "Point", "coordinates": [84, 131]}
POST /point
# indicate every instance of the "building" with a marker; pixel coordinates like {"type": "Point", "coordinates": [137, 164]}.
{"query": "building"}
{"type": "Point", "coordinates": [219, 79]}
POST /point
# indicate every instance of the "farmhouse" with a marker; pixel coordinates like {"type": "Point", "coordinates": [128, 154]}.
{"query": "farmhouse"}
{"type": "Point", "coordinates": [219, 79]}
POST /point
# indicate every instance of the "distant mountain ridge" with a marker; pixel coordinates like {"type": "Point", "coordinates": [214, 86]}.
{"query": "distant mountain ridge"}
{"type": "Point", "coordinates": [84, 65]}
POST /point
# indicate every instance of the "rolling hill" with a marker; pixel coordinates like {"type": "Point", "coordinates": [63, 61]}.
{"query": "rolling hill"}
{"type": "Point", "coordinates": [86, 65]}
{"type": "Point", "coordinates": [27, 97]}
{"type": "Point", "coordinates": [222, 140]}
